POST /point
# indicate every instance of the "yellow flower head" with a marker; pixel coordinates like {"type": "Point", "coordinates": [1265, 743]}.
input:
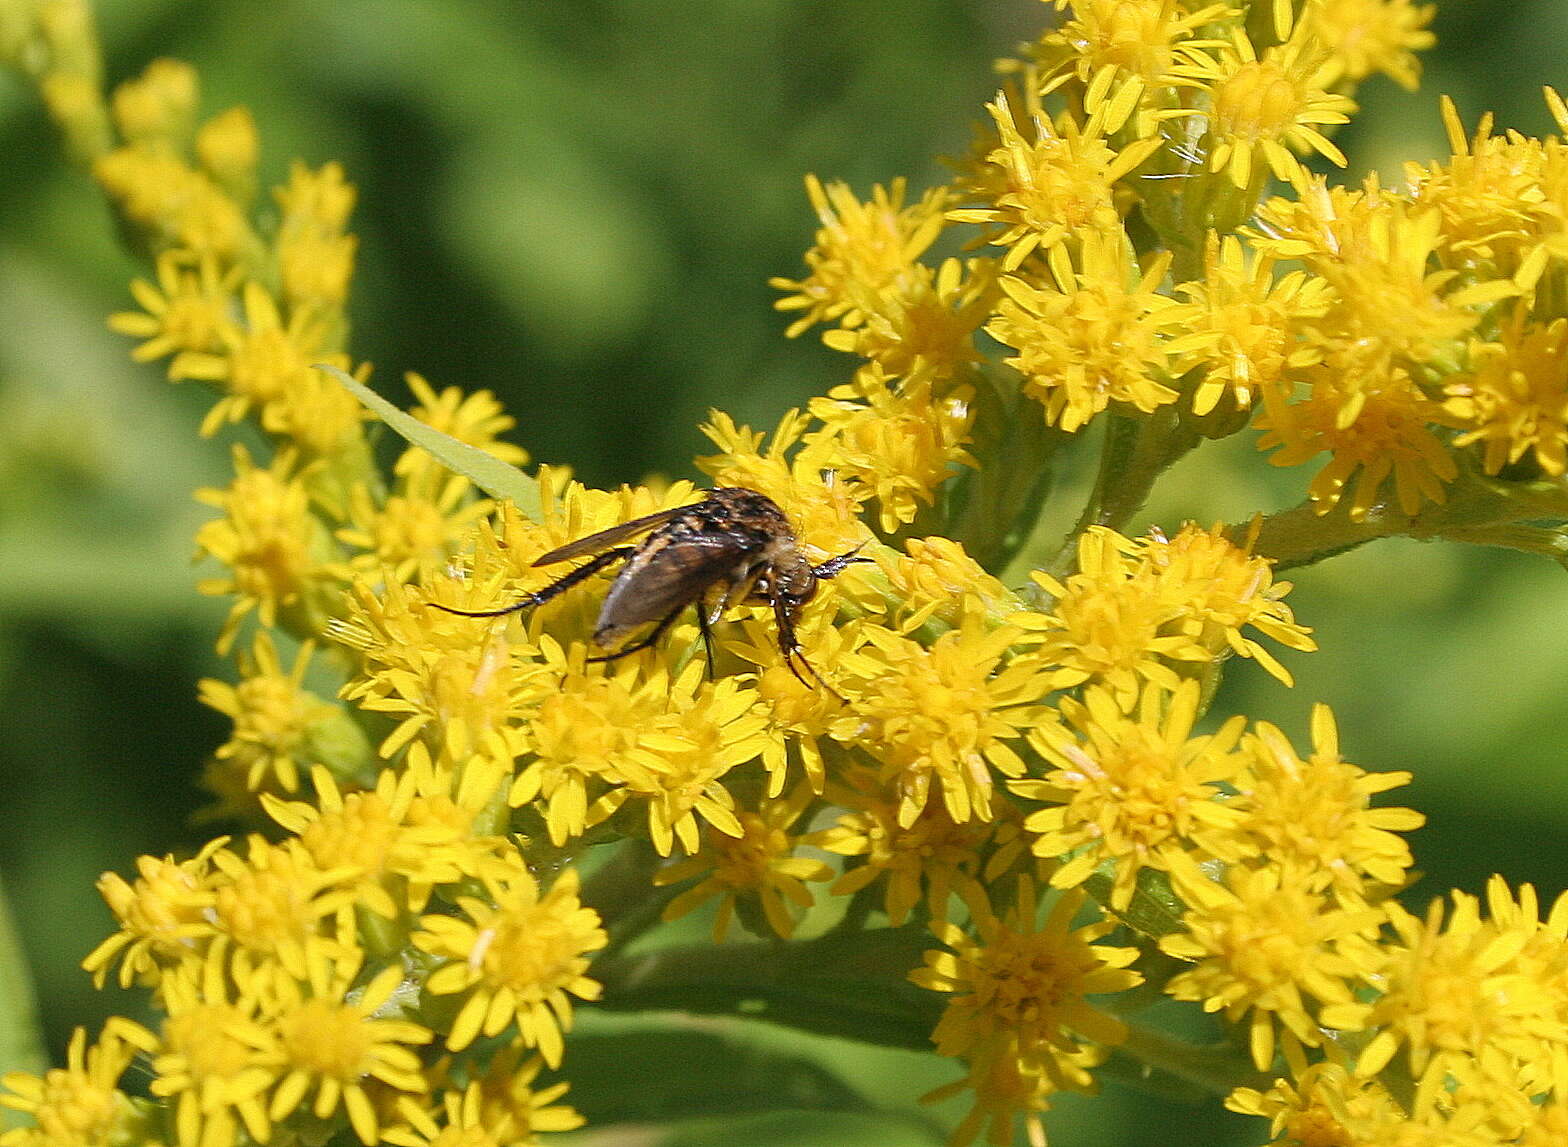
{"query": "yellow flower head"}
{"type": "Point", "coordinates": [1464, 1009]}
{"type": "Point", "coordinates": [1514, 398]}
{"type": "Point", "coordinates": [1134, 790]}
{"type": "Point", "coordinates": [1325, 1104]}
{"type": "Point", "coordinates": [929, 859]}
{"type": "Point", "coordinates": [277, 913]}
{"type": "Point", "coordinates": [315, 258]}
{"type": "Point", "coordinates": [1216, 589]}
{"type": "Point", "coordinates": [1035, 193]}
{"type": "Point", "coordinates": [273, 715]}
{"type": "Point", "coordinates": [1108, 623]}
{"type": "Point", "coordinates": [899, 444]}
{"type": "Point", "coordinates": [824, 512]}
{"type": "Point", "coordinates": [1260, 107]}
{"type": "Point", "coordinates": [759, 867]}
{"type": "Point", "coordinates": [1376, 423]}
{"type": "Point", "coordinates": [501, 1110]}
{"type": "Point", "coordinates": [1123, 53]}
{"type": "Point", "coordinates": [397, 534]}
{"type": "Point", "coordinates": [1264, 946]}
{"type": "Point", "coordinates": [391, 853]}
{"type": "Point", "coordinates": [1243, 324]}
{"type": "Point", "coordinates": [173, 205]}
{"type": "Point", "coordinates": [862, 251]}
{"type": "Point", "coordinates": [229, 147]}
{"type": "Point", "coordinates": [159, 106]}
{"type": "Point", "coordinates": [939, 719]}
{"type": "Point", "coordinates": [933, 578]}
{"type": "Point", "coordinates": [187, 310]}
{"type": "Point", "coordinates": [1093, 335]}
{"type": "Point", "coordinates": [517, 957]}
{"type": "Point", "coordinates": [163, 916]}
{"type": "Point", "coordinates": [926, 328]}
{"type": "Point", "coordinates": [80, 1104]}
{"type": "Point", "coordinates": [271, 542]}
{"type": "Point", "coordinates": [1367, 36]}
{"type": "Point", "coordinates": [476, 419]}
{"type": "Point", "coordinates": [1019, 988]}
{"type": "Point", "coordinates": [1313, 818]}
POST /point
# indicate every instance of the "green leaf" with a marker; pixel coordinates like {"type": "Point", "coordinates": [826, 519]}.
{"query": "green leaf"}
{"type": "Point", "coordinates": [490, 474]}
{"type": "Point", "coordinates": [681, 1074]}
{"type": "Point", "coordinates": [21, 1044]}
{"type": "Point", "coordinates": [806, 1129]}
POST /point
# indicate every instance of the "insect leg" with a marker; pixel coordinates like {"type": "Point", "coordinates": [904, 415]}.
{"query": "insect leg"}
{"type": "Point", "coordinates": [835, 566]}
{"type": "Point", "coordinates": [790, 647]}
{"type": "Point", "coordinates": [706, 628]}
{"type": "Point", "coordinates": [637, 646]}
{"type": "Point", "coordinates": [559, 586]}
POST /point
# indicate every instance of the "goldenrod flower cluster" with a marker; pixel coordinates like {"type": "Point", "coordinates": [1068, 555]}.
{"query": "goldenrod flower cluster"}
{"type": "Point", "coordinates": [463, 824]}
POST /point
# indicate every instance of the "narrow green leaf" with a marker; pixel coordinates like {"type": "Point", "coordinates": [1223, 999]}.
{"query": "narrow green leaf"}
{"type": "Point", "coordinates": [682, 1074]}
{"type": "Point", "coordinates": [21, 1045]}
{"type": "Point", "coordinates": [490, 474]}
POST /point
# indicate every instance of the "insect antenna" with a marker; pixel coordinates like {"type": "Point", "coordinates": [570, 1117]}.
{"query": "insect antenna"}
{"type": "Point", "coordinates": [835, 566]}
{"type": "Point", "coordinates": [559, 586]}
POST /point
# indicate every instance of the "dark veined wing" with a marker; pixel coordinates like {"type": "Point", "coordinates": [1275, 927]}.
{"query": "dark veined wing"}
{"type": "Point", "coordinates": [604, 539]}
{"type": "Point", "coordinates": [671, 572]}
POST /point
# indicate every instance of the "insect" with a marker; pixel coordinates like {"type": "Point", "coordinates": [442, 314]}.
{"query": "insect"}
{"type": "Point", "coordinates": [735, 545]}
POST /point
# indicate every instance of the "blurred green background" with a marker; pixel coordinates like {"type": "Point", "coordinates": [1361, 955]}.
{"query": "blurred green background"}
{"type": "Point", "coordinates": [578, 205]}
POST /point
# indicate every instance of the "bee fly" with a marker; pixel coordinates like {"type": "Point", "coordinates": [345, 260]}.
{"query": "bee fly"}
{"type": "Point", "coordinates": [734, 545]}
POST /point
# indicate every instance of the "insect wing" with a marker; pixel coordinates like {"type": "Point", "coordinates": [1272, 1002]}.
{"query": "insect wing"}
{"type": "Point", "coordinates": [604, 539]}
{"type": "Point", "coordinates": [667, 577]}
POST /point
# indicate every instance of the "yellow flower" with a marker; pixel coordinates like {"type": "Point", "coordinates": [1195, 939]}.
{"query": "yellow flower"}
{"type": "Point", "coordinates": [900, 444]}
{"type": "Point", "coordinates": [825, 513]}
{"type": "Point", "coordinates": [334, 1043]}
{"type": "Point", "coordinates": [272, 544]}
{"type": "Point", "coordinates": [1019, 989]}
{"type": "Point", "coordinates": [1260, 107]}
{"type": "Point", "coordinates": [758, 867]}
{"type": "Point", "coordinates": [268, 367]}
{"type": "Point", "coordinates": [1093, 336]}
{"type": "Point", "coordinates": [173, 205]}
{"type": "Point", "coordinates": [862, 250]}
{"type": "Point", "coordinates": [468, 1119]}
{"type": "Point", "coordinates": [1366, 36]}
{"type": "Point", "coordinates": [159, 106]}
{"type": "Point", "coordinates": [276, 912]}
{"type": "Point", "coordinates": [1216, 589]}
{"type": "Point", "coordinates": [1325, 1105]}
{"type": "Point", "coordinates": [1108, 623]}
{"type": "Point", "coordinates": [938, 719]}
{"type": "Point", "coordinates": [1514, 397]}
{"type": "Point", "coordinates": [1312, 818]}
{"type": "Point", "coordinates": [925, 327]}
{"type": "Point", "coordinates": [1264, 945]}
{"type": "Point", "coordinates": [1034, 194]}
{"type": "Point", "coordinates": [1125, 53]}
{"type": "Point", "coordinates": [315, 258]}
{"type": "Point", "coordinates": [80, 1105]}
{"type": "Point", "coordinates": [273, 716]}
{"type": "Point", "coordinates": [163, 916]}
{"type": "Point", "coordinates": [518, 959]}
{"type": "Point", "coordinates": [228, 148]}
{"type": "Point", "coordinates": [1377, 424]}
{"type": "Point", "coordinates": [391, 854]}
{"type": "Point", "coordinates": [1136, 790]}
{"type": "Point", "coordinates": [933, 578]}
{"type": "Point", "coordinates": [1464, 1009]}
{"type": "Point", "coordinates": [1243, 324]}
{"type": "Point", "coordinates": [461, 683]}
{"type": "Point", "coordinates": [219, 1058]}
{"type": "Point", "coordinates": [930, 858]}
{"type": "Point", "coordinates": [186, 311]}
{"type": "Point", "coordinates": [398, 533]}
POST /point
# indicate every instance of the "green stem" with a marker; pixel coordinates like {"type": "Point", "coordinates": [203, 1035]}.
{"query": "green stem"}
{"type": "Point", "coordinates": [1479, 510]}
{"type": "Point", "coordinates": [853, 987]}
{"type": "Point", "coordinates": [1138, 449]}
{"type": "Point", "coordinates": [621, 890]}
{"type": "Point", "coordinates": [21, 1042]}
{"type": "Point", "coordinates": [1216, 1068]}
